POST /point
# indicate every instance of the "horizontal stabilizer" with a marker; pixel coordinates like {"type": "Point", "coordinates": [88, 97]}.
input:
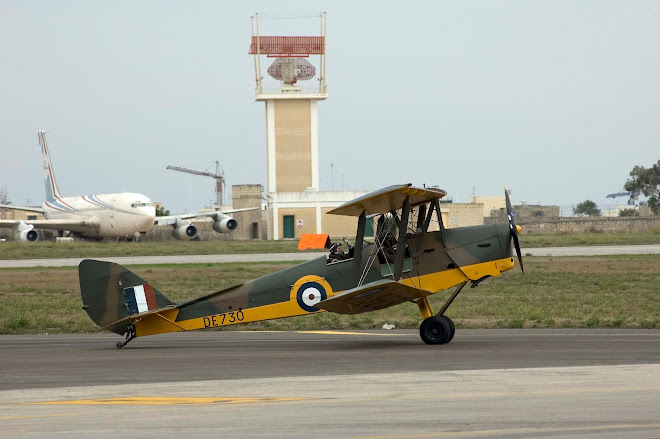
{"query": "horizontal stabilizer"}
{"type": "Point", "coordinates": [371, 297]}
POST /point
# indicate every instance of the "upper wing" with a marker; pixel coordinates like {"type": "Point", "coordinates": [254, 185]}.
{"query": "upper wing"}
{"type": "Point", "coordinates": [388, 199]}
{"type": "Point", "coordinates": [371, 297]}
{"type": "Point", "coordinates": [172, 219]}
{"type": "Point", "coordinates": [89, 223]}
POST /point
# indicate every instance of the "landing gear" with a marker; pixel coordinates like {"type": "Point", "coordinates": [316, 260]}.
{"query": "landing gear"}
{"type": "Point", "coordinates": [435, 330]}
{"type": "Point", "coordinates": [130, 335]}
{"type": "Point", "coordinates": [452, 327]}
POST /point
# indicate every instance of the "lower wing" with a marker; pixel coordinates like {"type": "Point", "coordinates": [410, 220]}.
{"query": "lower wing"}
{"type": "Point", "coordinates": [371, 297]}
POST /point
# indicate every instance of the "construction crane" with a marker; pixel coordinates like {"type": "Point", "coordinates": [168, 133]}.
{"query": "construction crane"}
{"type": "Point", "coordinates": [633, 196]}
{"type": "Point", "coordinates": [219, 176]}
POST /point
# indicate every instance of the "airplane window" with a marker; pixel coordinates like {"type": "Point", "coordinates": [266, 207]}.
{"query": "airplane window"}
{"type": "Point", "coordinates": [141, 204]}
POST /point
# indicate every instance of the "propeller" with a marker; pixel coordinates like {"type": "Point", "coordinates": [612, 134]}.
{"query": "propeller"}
{"type": "Point", "coordinates": [513, 228]}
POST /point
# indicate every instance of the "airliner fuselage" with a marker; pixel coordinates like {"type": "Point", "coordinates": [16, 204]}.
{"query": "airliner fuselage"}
{"type": "Point", "coordinates": [111, 215]}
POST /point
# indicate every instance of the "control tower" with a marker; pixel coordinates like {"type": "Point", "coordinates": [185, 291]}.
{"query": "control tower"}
{"type": "Point", "coordinates": [291, 91]}
{"type": "Point", "coordinates": [292, 140]}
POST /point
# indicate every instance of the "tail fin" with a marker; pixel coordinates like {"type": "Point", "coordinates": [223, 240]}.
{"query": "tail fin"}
{"type": "Point", "coordinates": [111, 293]}
{"type": "Point", "coordinates": [51, 187]}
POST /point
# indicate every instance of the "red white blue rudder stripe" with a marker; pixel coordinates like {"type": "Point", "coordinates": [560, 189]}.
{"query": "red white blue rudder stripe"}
{"type": "Point", "coordinates": [140, 298]}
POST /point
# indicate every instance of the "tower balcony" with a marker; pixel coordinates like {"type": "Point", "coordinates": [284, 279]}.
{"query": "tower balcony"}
{"type": "Point", "coordinates": [265, 93]}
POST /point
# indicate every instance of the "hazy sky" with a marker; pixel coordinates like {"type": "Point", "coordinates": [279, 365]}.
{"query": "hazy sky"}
{"type": "Point", "coordinates": [558, 100]}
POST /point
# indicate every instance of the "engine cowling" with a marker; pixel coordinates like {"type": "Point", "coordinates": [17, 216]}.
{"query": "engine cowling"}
{"type": "Point", "coordinates": [225, 225]}
{"type": "Point", "coordinates": [185, 232]}
{"type": "Point", "coordinates": [29, 235]}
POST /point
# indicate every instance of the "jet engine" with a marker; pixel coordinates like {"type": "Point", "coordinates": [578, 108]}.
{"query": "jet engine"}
{"type": "Point", "coordinates": [184, 230]}
{"type": "Point", "coordinates": [25, 233]}
{"type": "Point", "coordinates": [223, 223]}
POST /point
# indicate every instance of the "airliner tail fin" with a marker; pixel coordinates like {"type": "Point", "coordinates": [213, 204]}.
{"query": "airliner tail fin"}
{"type": "Point", "coordinates": [51, 187]}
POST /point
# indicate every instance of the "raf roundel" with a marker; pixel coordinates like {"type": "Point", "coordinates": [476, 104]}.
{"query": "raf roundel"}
{"type": "Point", "coordinates": [309, 294]}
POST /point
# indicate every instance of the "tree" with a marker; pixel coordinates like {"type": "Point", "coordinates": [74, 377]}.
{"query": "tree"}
{"type": "Point", "coordinates": [628, 212]}
{"type": "Point", "coordinates": [588, 208]}
{"type": "Point", "coordinates": [162, 212]}
{"type": "Point", "coordinates": [4, 195]}
{"type": "Point", "coordinates": [4, 199]}
{"type": "Point", "coordinates": [648, 182]}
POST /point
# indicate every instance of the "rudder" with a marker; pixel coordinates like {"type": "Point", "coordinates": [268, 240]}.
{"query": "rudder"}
{"type": "Point", "coordinates": [111, 293]}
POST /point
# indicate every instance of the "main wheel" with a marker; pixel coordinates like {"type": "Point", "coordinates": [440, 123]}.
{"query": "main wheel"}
{"type": "Point", "coordinates": [435, 330]}
{"type": "Point", "coordinates": [451, 326]}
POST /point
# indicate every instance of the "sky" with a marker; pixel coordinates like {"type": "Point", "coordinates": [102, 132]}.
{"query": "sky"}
{"type": "Point", "coordinates": [557, 100]}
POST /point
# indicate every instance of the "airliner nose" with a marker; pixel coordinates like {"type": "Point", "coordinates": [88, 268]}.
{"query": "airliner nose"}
{"type": "Point", "coordinates": [148, 218]}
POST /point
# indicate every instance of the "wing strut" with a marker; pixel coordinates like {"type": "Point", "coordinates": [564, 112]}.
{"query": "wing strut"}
{"type": "Point", "coordinates": [357, 250]}
{"type": "Point", "coordinates": [429, 216]}
{"type": "Point", "coordinates": [379, 226]}
{"type": "Point", "coordinates": [401, 242]}
{"type": "Point", "coordinates": [421, 217]}
{"type": "Point", "coordinates": [436, 202]}
{"type": "Point", "coordinates": [435, 206]}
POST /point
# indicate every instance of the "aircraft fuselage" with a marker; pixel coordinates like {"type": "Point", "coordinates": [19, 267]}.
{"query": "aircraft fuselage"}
{"type": "Point", "coordinates": [114, 215]}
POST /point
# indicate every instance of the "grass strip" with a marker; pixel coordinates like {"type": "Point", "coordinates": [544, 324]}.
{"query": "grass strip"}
{"type": "Point", "coordinates": [567, 292]}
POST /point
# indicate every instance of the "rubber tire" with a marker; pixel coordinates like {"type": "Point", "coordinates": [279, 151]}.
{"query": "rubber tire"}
{"type": "Point", "coordinates": [435, 330]}
{"type": "Point", "coordinates": [451, 326]}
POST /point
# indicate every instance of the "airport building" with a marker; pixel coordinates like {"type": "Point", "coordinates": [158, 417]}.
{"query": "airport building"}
{"type": "Point", "coordinates": [489, 203]}
{"type": "Point", "coordinates": [25, 215]}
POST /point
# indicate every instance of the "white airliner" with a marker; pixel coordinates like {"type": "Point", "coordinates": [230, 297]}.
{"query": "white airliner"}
{"type": "Point", "coordinates": [106, 215]}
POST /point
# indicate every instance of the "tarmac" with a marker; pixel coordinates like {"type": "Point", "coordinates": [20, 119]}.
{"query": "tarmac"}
{"type": "Point", "coordinates": [333, 384]}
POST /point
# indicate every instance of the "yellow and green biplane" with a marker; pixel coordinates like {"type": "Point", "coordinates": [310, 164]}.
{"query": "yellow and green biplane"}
{"type": "Point", "coordinates": [413, 256]}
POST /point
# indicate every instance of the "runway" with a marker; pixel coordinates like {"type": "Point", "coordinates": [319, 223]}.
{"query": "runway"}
{"type": "Point", "coordinates": [305, 256]}
{"type": "Point", "coordinates": [364, 384]}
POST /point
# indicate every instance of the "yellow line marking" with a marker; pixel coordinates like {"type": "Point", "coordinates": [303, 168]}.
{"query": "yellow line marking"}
{"type": "Point", "coordinates": [193, 400]}
{"type": "Point", "coordinates": [350, 333]}
{"type": "Point", "coordinates": [164, 400]}
{"type": "Point", "coordinates": [509, 431]}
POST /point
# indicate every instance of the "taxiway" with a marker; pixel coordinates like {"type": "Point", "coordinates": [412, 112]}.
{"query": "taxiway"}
{"type": "Point", "coordinates": [306, 256]}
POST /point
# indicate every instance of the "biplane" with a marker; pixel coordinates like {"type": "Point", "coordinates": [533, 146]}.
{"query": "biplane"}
{"type": "Point", "coordinates": [413, 256]}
